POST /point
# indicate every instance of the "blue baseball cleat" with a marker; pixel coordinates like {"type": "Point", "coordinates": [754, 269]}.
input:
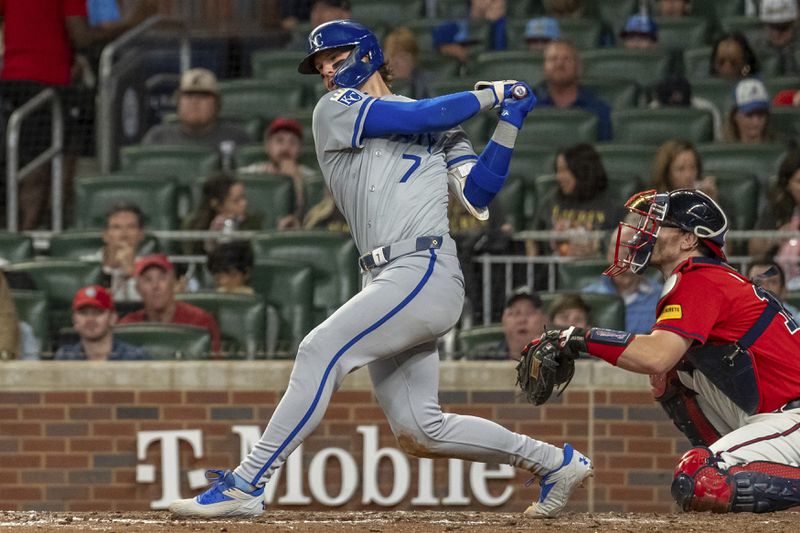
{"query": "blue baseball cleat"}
{"type": "Point", "coordinates": [557, 486]}
{"type": "Point", "coordinates": [223, 498]}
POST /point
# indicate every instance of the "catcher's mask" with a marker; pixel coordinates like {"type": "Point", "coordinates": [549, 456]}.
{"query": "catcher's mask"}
{"type": "Point", "coordinates": [686, 209]}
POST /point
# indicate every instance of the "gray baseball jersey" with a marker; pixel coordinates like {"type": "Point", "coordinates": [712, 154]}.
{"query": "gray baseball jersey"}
{"type": "Point", "coordinates": [390, 189]}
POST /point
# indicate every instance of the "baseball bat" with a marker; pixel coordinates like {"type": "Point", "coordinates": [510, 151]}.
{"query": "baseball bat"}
{"type": "Point", "coordinates": [519, 92]}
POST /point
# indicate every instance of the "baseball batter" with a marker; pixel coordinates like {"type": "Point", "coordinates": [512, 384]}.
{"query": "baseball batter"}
{"type": "Point", "coordinates": [724, 356]}
{"type": "Point", "coordinates": [388, 161]}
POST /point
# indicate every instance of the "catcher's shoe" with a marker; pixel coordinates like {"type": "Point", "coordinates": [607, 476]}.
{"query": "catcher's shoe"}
{"type": "Point", "coordinates": [557, 486]}
{"type": "Point", "coordinates": [223, 498]}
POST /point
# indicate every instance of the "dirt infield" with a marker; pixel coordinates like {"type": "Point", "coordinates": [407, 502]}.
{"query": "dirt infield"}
{"type": "Point", "coordinates": [412, 522]}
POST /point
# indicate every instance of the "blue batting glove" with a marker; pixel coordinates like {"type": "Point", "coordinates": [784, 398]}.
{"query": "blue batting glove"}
{"type": "Point", "coordinates": [514, 111]}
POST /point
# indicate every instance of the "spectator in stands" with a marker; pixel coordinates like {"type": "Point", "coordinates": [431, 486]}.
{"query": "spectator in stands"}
{"type": "Point", "coordinates": [748, 119]}
{"type": "Point", "coordinates": [122, 237]}
{"type": "Point", "coordinates": [568, 310]}
{"type": "Point", "coordinates": [223, 208]}
{"type": "Point", "coordinates": [283, 141]}
{"type": "Point", "coordinates": [540, 31]}
{"type": "Point", "coordinates": [39, 41]}
{"type": "Point", "coordinates": [563, 8]}
{"type": "Point", "coordinates": [326, 216]}
{"type": "Point", "coordinates": [454, 39]}
{"type": "Point", "coordinates": [782, 212]}
{"type": "Point", "coordinates": [673, 8]}
{"type": "Point", "coordinates": [675, 91]}
{"type": "Point", "coordinates": [640, 293]}
{"type": "Point", "coordinates": [639, 32]}
{"type": "Point", "coordinates": [523, 318]}
{"type": "Point", "coordinates": [294, 12]}
{"type": "Point", "coordinates": [770, 275]}
{"type": "Point", "coordinates": [231, 264]}
{"type": "Point", "coordinates": [320, 12]}
{"type": "Point", "coordinates": [93, 317]}
{"type": "Point", "coordinates": [561, 86]}
{"type": "Point", "coordinates": [29, 347]}
{"type": "Point", "coordinates": [198, 124]}
{"type": "Point", "coordinates": [493, 11]}
{"type": "Point", "coordinates": [732, 57]}
{"type": "Point", "coordinates": [781, 35]}
{"type": "Point", "coordinates": [402, 55]}
{"type": "Point", "coordinates": [155, 281]}
{"type": "Point", "coordinates": [677, 165]}
{"type": "Point", "coordinates": [580, 200]}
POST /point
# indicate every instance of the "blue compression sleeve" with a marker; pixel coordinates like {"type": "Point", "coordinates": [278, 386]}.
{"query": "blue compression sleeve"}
{"type": "Point", "coordinates": [423, 116]}
{"type": "Point", "coordinates": [490, 171]}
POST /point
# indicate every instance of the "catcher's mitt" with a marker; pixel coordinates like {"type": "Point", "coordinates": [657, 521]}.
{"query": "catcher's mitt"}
{"type": "Point", "coordinates": [547, 362]}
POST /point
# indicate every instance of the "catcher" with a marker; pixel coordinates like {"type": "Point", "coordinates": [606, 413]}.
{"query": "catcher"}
{"type": "Point", "coordinates": [724, 359]}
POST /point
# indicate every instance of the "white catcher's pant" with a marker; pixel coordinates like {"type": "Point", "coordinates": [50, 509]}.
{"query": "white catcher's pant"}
{"type": "Point", "coordinates": [392, 325]}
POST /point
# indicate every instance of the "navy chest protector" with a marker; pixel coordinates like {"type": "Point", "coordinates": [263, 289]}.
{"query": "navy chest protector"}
{"type": "Point", "coordinates": [728, 366]}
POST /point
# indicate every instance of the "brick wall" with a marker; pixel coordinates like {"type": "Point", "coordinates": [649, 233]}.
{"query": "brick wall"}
{"type": "Point", "coordinates": [76, 449]}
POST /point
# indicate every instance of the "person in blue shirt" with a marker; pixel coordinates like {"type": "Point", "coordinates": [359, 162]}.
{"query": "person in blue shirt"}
{"type": "Point", "coordinates": [640, 293]}
{"type": "Point", "coordinates": [93, 316]}
{"type": "Point", "coordinates": [561, 87]}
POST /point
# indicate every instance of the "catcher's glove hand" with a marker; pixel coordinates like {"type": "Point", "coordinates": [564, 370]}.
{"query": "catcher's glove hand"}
{"type": "Point", "coordinates": [549, 361]}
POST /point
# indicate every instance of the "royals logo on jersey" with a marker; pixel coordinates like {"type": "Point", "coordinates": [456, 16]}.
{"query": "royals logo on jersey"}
{"type": "Point", "coordinates": [347, 97]}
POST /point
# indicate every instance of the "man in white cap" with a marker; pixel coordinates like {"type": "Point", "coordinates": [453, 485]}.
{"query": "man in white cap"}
{"type": "Point", "coordinates": [780, 33]}
{"type": "Point", "coordinates": [199, 104]}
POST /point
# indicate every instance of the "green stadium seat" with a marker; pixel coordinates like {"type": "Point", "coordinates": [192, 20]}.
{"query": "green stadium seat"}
{"type": "Point", "coordinates": [333, 257]}
{"type": "Point", "coordinates": [509, 65]}
{"type": "Point", "coordinates": [187, 163]}
{"type": "Point", "coordinates": [718, 91]}
{"type": "Point", "coordinates": [607, 310]}
{"type": "Point", "coordinates": [422, 28]}
{"type": "Point", "coordinates": [613, 13]}
{"type": "Point", "coordinates": [479, 342]}
{"type": "Point", "coordinates": [574, 275]}
{"type": "Point", "coordinates": [697, 63]}
{"type": "Point", "coordinates": [776, 84]}
{"type": "Point", "coordinates": [635, 159]}
{"type": "Point", "coordinates": [440, 67]}
{"type": "Point", "coordinates": [167, 341]}
{"type": "Point", "coordinates": [739, 194]}
{"type": "Point", "coordinates": [289, 287]}
{"type": "Point", "coordinates": [241, 318]}
{"type": "Point", "coordinates": [528, 162]}
{"type": "Point", "coordinates": [32, 308]}
{"type": "Point", "coordinates": [618, 94]}
{"type": "Point", "coordinates": [793, 298]}
{"type": "Point", "coordinates": [249, 154]}
{"type": "Point", "coordinates": [621, 186]}
{"type": "Point", "coordinates": [751, 27]}
{"type": "Point", "coordinates": [278, 64]}
{"type": "Point", "coordinates": [440, 87]}
{"type": "Point", "coordinates": [762, 160]}
{"type": "Point", "coordinates": [59, 280]}
{"type": "Point", "coordinates": [680, 33]}
{"type": "Point", "coordinates": [558, 127]}
{"type": "Point", "coordinates": [654, 126]}
{"type": "Point", "coordinates": [266, 98]}
{"type": "Point", "coordinates": [584, 33]}
{"type": "Point", "coordinates": [253, 125]}
{"type": "Point", "coordinates": [78, 244]}
{"type": "Point", "coordinates": [643, 67]}
{"type": "Point", "coordinates": [270, 195]}
{"type": "Point", "coordinates": [511, 201]}
{"type": "Point", "coordinates": [388, 12]}
{"type": "Point", "coordinates": [716, 9]}
{"type": "Point", "coordinates": [15, 247]}
{"type": "Point", "coordinates": [786, 121]}
{"type": "Point", "coordinates": [156, 197]}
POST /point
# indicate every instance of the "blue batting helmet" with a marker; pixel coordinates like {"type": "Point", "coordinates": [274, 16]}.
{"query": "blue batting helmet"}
{"type": "Point", "coordinates": [340, 33]}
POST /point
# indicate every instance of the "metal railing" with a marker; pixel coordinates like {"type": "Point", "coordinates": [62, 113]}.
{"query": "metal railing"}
{"type": "Point", "coordinates": [106, 122]}
{"type": "Point", "coordinates": [54, 154]}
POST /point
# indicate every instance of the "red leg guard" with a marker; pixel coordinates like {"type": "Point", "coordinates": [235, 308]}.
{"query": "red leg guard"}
{"type": "Point", "coordinates": [699, 485]}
